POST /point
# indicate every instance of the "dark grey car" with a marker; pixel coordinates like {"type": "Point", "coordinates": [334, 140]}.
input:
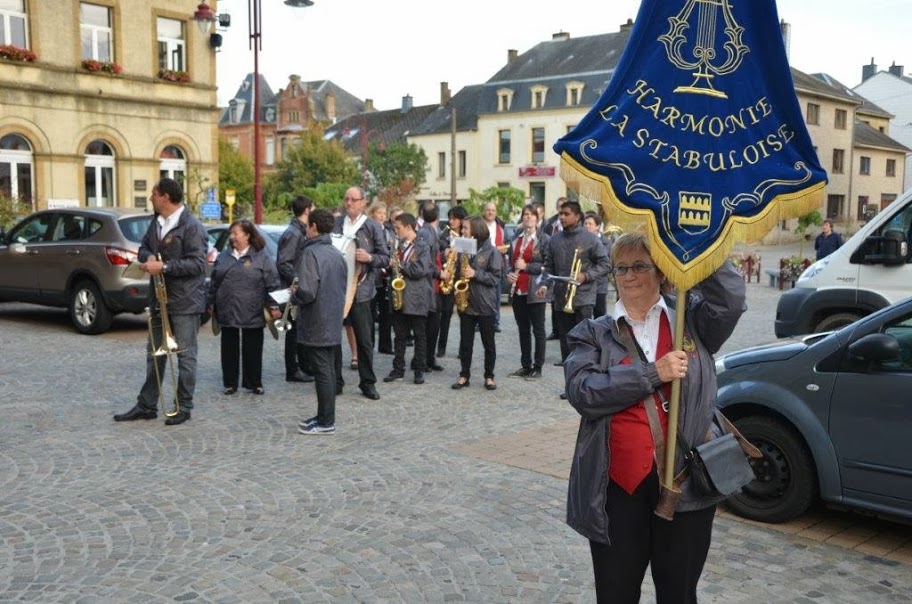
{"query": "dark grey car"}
{"type": "Point", "coordinates": [75, 258]}
{"type": "Point", "coordinates": [832, 414]}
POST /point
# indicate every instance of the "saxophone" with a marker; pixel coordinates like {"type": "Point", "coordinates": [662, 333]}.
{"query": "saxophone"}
{"type": "Point", "coordinates": [397, 283]}
{"type": "Point", "coordinates": [461, 287]}
{"type": "Point", "coordinates": [446, 287]}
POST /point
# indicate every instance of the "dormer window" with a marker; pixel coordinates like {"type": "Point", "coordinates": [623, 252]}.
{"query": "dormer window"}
{"type": "Point", "coordinates": [539, 96]}
{"type": "Point", "coordinates": [504, 99]}
{"type": "Point", "coordinates": [574, 93]}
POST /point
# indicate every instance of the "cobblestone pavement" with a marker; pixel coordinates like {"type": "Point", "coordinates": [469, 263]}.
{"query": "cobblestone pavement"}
{"type": "Point", "coordinates": [403, 503]}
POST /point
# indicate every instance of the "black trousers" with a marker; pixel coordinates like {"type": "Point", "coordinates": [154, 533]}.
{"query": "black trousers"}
{"type": "Point", "coordinates": [601, 306]}
{"type": "Point", "coordinates": [675, 551]}
{"type": "Point", "coordinates": [530, 320]}
{"type": "Point", "coordinates": [564, 322]}
{"type": "Point", "coordinates": [295, 354]}
{"type": "Point", "coordinates": [445, 305]}
{"type": "Point", "coordinates": [244, 348]}
{"type": "Point", "coordinates": [403, 325]}
{"type": "Point", "coordinates": [326, 361]}
{"type": "Point", "coordinates": [467, 325]}
{"type": "Point", "coordinates": [432, 330]}
{"type": "Point", "coordinates": [362, 322]}
{"type": "Point", "coordinates": [381, 310]}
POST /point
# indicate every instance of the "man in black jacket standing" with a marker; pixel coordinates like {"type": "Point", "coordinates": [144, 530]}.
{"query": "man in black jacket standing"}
{"type": "Point", "coordinates": [371, 255]}
{"type": "Point", "coordinates": [174, 247]}
{"type": "Point", "coordinates": [290, 245]}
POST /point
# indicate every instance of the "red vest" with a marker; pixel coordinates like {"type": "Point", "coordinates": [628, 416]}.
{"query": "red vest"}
{"type": "Point", "coordinates": [522, 249]}
{"type": "Point", "coordinates": [630, 439]}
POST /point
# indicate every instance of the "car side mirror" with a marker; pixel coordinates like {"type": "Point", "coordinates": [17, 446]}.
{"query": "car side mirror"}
{"type": "Point", "coordinates": [877, 347]}
{"type": "Point", "coordinates": [889, 249]}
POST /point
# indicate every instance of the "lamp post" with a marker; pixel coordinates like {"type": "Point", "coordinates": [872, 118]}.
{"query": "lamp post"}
{"type": "Point", "coordinates": [205, 17]}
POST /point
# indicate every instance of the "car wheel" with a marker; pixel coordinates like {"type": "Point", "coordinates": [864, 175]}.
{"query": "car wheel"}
{"type": "Point", "coordinates": [786, 482]}
{"type": "Point", "coordinates": [836, 321]}
{"type": "Point", "coordinates": [88, 311]}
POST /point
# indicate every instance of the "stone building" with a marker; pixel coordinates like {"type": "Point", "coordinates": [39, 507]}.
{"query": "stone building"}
{"type": "Point", "coordinates": [100, 99]}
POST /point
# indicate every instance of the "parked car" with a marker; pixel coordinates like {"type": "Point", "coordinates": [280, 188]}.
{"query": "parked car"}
{"type": "Point", "coordinates": [831, 414]}
{"type": "Point", "coordinates": [218, 235]}
{"type": "Point", "coordinates": [75, 258]}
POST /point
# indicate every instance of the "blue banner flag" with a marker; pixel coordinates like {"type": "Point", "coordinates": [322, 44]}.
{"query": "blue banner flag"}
{"type": "Point", "coordinates": [699, 134]}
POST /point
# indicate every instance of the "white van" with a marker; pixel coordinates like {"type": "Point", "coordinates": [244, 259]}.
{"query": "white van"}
{"type": "Point", "coordinates": [871, 270]}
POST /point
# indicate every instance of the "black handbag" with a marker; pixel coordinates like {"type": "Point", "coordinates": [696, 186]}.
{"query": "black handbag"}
{"type": "Point", "coordinates": [719, 467]}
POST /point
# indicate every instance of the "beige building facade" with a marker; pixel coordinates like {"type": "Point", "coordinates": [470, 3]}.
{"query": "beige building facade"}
{"type": "Point", "coordinates": [119, 93]}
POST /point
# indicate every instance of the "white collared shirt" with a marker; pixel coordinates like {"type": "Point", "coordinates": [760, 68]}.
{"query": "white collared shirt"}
{"type": "Point", "coordinates": [166, 225]}
{"type": "Point", "coordinates": [646, 332]}
{"type": "Point", "coordinates": [238, 254]}
{"type": "Point", "coordinates": [350, 227]}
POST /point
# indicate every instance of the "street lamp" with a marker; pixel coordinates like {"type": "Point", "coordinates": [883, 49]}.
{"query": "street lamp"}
{"type": "Point", "coordinates": [205, 17]}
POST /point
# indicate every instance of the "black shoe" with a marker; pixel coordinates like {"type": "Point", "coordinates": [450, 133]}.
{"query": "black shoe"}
{"type": "Point", "coordinates": [490, 384]}
{"type": "Point", "coordinates": [521, 373]}
{"type": "Point", "coordinates": [410, 341]}
{"type": "Point", "coordinates": [553, 336]}
{"type": "Point", "coordinates": [459, 385]}
{"type": "Point", "coordinates": [419, 377]}
{"type": "Point", "coordinates": [299, 376]}
{"type": "Point", "coordinates": [178, 419]}
{"type": "Point", "coordinates": [259, 390]}
{"type": "Point", "coordinates": [339, 390]}
{"type": "Point", "coordinates": [559, 364]}
{"type": "Point", "coordinates": [534, 374]}
{"type": "Point", "coordinates": [228, 391]}
{"type": "Point", "coordinates": [393, 376]}
{"type": "Point", "coordinates": [435, 367]}
{"type": "Point", "coordinates": [497, 329]}
{"type": "Point", "coordinates": [563, 396]}
{"type": "Point", "coordinates": [134, 414]}
{"type": "Point", "coordinates": [371, 393]}
{"type": "Point", "coordinates": [441, 352]}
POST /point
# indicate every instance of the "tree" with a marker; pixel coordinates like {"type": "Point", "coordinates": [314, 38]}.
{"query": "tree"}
{"type": "Point", "coordinates": [509, 201]}
{"type": "Point", "coordinates": [395, 172]}
{"type": "Point", "coordinates": [235, 172]}
{"type": "Point", "coordinates": [804, 223]}
{"type": "Point", "coordinates": [309, 162]}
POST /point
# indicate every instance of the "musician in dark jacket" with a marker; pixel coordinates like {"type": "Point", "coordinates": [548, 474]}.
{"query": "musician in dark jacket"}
{"type": "Point", "coordinates": [239, 287]}
{"type": "Point", "coordinates": [614, 478]}
{"type": "Point", "coordinates": [455, 216]}
{"type": "Point", "coordinates": [484, 271]}
{"type": "Point", "coordinates": [593, 223]}
{"type": "Point", "coordinates": [563, 246]}
{"type": "Point", "coordinates": [320, 295]}
{"type": "Point", "coordinates": [290, 244]}
{"type": "Point", "coordinates": [528, 254]}
{"type": "Point", "coordinates": [412, 261]}
{"type": "Point", "coordinates": [430, 230]}
{"type": "Point", "coordinates": [371, 254]}
{"type": "Point", "coordinates": [175, 247]}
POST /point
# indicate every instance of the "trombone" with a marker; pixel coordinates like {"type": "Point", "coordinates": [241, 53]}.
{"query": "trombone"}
{"type": "Point", "coordinates": [167, 347]}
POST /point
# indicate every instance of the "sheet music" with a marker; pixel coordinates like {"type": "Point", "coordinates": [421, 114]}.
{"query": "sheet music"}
{"type": "Point", "coordinates": [133, 271]}
{"type": "Point", "coordinates": [281, 296]}
{"type": "Point", "coordinates": [465, 245]}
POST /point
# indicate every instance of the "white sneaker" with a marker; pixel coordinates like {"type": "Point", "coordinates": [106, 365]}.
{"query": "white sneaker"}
{"type": "Point", "coordinates": [318, 429]}
{"type": "Point", "coordinates": [308, 423]}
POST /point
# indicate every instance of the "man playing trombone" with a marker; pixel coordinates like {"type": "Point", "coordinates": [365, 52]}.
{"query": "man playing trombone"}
{"type": "Point", "coordinates": [173, 254]}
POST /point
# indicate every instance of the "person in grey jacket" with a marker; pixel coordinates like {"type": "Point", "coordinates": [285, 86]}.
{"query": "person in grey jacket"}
{"type": "Point", "coordinates": [528, 254]}
{"type": "Point", "coordinates": [416, 267]}
{"type": "Point", "coordinates": [175, 247]}
{"type": "Point", "coordinates": [320, 295]}
{"type": "Point", "coordinates": [595, 265]}
{"type": "Point", "coordinates": [289, 248]}
{"type": "Point", "coordinates": [371, 255]}
{"type": "Point", "coordinates": [239, 287]}
{"type": "Point", "coordinates": [614, 479]}
{"type": "Point", "coordinates": [484, 272]}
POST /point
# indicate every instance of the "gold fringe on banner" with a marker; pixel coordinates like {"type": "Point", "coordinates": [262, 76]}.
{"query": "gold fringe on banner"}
{"type": "Point", "coordinates": [737, 229]}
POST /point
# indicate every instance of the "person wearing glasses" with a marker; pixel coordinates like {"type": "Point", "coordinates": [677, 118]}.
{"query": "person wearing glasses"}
{"type": "Point", "coordinates": [573, 240]}
{"type": "Point", "coordinates": [371, 255]}
{"type": "Point", "coordinates": [618, 364]}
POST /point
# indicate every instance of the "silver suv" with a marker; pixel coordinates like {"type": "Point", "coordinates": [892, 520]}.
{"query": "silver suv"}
{"type": "Point", "coordinates": [75, 258]}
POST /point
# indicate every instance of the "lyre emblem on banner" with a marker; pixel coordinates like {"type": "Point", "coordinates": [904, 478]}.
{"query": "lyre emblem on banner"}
{"type": "Point", "coordinates": [694, 211]}
{"type": "Point", "coordinates": [701, 37]}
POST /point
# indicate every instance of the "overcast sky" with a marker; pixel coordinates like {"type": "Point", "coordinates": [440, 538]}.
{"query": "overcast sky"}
{"type": "Point", "coordinates": [385, 49]}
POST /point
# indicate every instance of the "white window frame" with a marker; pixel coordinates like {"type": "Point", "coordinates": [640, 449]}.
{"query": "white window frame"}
{"type": "Point", "coordinates": [102, 165]}
{"type": "Point", "coordinates": [7, 15]}
{"type": "Point", "coordinates": [174, 167]}
{"type": "Point", "coordinates": [15, 159]}
{"type": "Point", "coordinates": [270, 150]}
{"type": "Point", "coordinates": [504, 99]}
{"type": "Point", "coordinates": [95, 30]}
{"type": "Point", "coordinates": [539, 96]}
{"type": "Point", "coordinates": [173, 46]}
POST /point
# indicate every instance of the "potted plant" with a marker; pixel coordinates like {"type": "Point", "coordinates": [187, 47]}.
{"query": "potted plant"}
{"type": "Point", "coordinates": [174, 75]}
{"type": "Point", "coordinates": [15, 53]}
{"type": "Point", "coordinates": [105, 66]}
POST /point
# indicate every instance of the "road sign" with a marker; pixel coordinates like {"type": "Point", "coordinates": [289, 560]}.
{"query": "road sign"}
{"type": "Point", "coordinates": [211, 210]}
{"type": "Point", "coordinates": [210, 195]}
{"type": "Point", "coordinates": [229, 197]}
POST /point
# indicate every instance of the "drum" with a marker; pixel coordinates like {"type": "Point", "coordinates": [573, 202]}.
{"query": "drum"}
{"type": "Point", "coordinates": [347, 246]}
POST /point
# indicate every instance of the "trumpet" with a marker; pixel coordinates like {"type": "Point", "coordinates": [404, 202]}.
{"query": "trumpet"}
{"type": "Point", "coordinates": [397, 283]}
{"type": "Point", "coordinates": [284, 324]}
{"type": "Point", "coordinates": [166, 348]}
{"type": "Point", "coordinates": [575, 269]}
{"type": "Point", "coordinates": [461, 287]}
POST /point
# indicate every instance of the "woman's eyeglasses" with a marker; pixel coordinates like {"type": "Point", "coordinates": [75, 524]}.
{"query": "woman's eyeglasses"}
{"type": "Point", "coordinates": [638, 267]}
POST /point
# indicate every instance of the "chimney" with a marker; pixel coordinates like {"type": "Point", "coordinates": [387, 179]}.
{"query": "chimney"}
{"type": "Point", "coordinates": [627, 26]}
{"type": "Point", "coordinates": [368, 105]}
{"type": "Point", "coordinates": [444, 93]}
{"type": "Point", "coordinates": [406, 103]}
{"type": "Point", "coordinates": [896, 70]}
{"type": "Point", "coordinates": [868, 70]}
{"type": "Point", "coordinates": [786, 30]}
{"type": "Point", "coordinates": [561, 35]}
{"type": "Point", "coordinates": [512, 55]}
{"type": "Point", "coordinates": [330, 106]}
